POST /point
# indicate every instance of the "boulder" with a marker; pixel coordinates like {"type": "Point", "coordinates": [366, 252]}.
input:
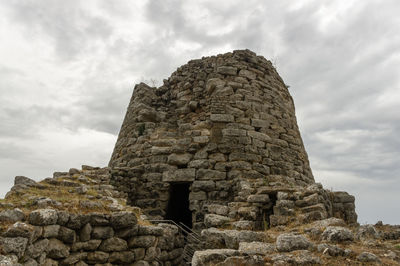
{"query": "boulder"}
{"type": "Point", "coordinates": [212, 256]}
{"type": "Point", "coordinates": [15, 245]}
{"type": "Point", "coordinates": [289, 242]}
{"type": "Point", "coordinates": [121, 220]}
{"type": "Point", "coordinates": [56, 249]}
{"type": "Point", "coordinates": [368, 231]}
{"type": "Point", "coordinates": [43, 217]}
{"type": "Point", "coordinates": [337, 234]}
{"type": "Point", "coordinates": [113, 244]}
{"type": "Point", "coordinates": [215, 220]}
{"type": "Point", "coordinates": [102, 232]}
{"type": "Point", "coordinates": [256, 248]}
{"type": "Point", "coordinates": [368, 257]}
{"type": "Point", "coordinates": [12, 215]}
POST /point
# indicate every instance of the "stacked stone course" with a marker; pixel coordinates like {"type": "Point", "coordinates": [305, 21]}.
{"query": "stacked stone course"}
{"type": "Point", "coordinates": [225, 125]}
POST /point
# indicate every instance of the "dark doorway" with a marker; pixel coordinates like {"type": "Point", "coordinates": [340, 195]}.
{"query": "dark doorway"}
{"type": "Point", "coordinates": [178, 205]}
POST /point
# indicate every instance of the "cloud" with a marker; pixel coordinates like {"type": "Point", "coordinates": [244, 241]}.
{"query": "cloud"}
{"type": "Point", "coordinates": [72, 28]}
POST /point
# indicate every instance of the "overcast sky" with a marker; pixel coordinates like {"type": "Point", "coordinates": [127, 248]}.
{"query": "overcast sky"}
{"type": "Point", "coordinates": [67, 70]}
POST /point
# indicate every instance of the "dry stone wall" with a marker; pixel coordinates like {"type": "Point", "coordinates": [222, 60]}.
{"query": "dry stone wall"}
{"type": "Point", "coordinates": [51, 237]}
{"type": "Point", "coordinates": [226, 126]}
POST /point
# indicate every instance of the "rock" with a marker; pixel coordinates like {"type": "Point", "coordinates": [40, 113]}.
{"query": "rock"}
{"type": "Point", "coordinates": [51, 231]}
{"type": "Point", "coordinates": [74, 171]}
{"type": "Point", "coordinates": [337, 234]}
{"type": "Point", "coordinates": [256, 248]}
{"type": "Point", "coordinates": [20, 229]}
{"type": "Point", "coordinates": [260, 198]}
{"type": "Point", "coordinates": [331, 250]}
{"type": "Point", "coordinates": [289, 242]}
{"type": "Point", "coordinates": [81, 189]}
{"type": "Point", "coordinates": [63, 217]}
{"type": "Point", "coordinates": [328, 222]}
{"type": "Point", "coordinates": [74, 258]}
{"type": "Point", "coordinates": [179, 175]}
{"type": "Point", "coordinates": [50, 262]}
{"type": "Point", "coordinates": [43, 217]}
{"type": "Point", "coordinates": [141, 263]}
{"type": "Point", "coordinates": [365, 232]}
{"type": "Point", "coordinates": [227, 70]}
{"type": "Point", "coordinates": [12, 216]}
{"type": "Point", "coordinates": [368, 257]}
{"type": "Point", "coordinates": [85, 233]}
{"type": "Point", "coordinates": [15, 245]}
{"type": "Point", "coordinates": [76, 221]}
{"type": "Point", "coordinates": [150, 230]}
{"type": "Point", "coordinates": [9, 260]}
{"type": "Point", "coordinates": [142, 241]}
{"type": "Point", "coordinates": [211, 256]}
{"type": "Point", "coordinates": [121, 220]}
{"type": "Point", "coordinates": [67, 235]}
{"type": "Point", "coordinates": [37, 248]}
{"type": "Point", "coordinates": [56, 249]}
{"type": "Point", "coordinates": [122, 257]}
{"type": "Point", "coordinates": [31, 262]}
{"type": "Point", "coordinates": [218, 209]}
{"type": "Point", "coordinates": [102, 232]}
{"type": "Point", "coordinates": [97, 257]}
{"type": "Point", "coordinates": [23, 180]}
{"type": "Point", "coordinates": [215, 220]}
{"type": "Point", "coordinates": [90, 245]}
{"type": "Point", "coordinates": [113, 244]}
{"type": "Point", "coordinates": [179, 159]}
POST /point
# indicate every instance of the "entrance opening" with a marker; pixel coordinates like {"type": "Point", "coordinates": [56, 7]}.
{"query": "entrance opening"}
{"type": "Point", "coordinates": [266, 213]}
{"type": "Point", "coordinates": [178, 205]}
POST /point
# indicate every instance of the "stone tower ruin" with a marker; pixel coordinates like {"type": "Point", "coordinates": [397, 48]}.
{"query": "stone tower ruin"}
{"type": "Point", "coordinates": [218, 144]}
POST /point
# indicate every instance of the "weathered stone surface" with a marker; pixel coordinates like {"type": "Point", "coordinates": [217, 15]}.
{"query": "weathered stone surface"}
{"type": "Point", "coordinates": [215, 220]}
{"type": "Point", "coordinates": [14, 245]}
{"type": "Point", "coordinates": [11, 216]}
{"type": "Point", "coordinates": [208, 256]}
{"type": "Point", "coordinates": [43, 217]}
{"type": "Point", "coordinates": [367, 232]}
{"type": "Point", "coordinates": [9, 260]}
{"type": "Point", "coordinates": [51, 231]}
{"type": "Point", "coordinates": [56, 249]}
{"type": "Point", "coordinates": [20, 229]}
{"type": "Point", "coordinates": [179, 159]}
{"type": "Point", "coordinates": [121, 220]}
{"type": "Point", "coordinates": [256, 248]}
{"type": "Point", "coordinates": [122, 257]}
{"type": "Point", "coordinates": [227, 70]}
{"type": "Point", "coordinates": [368, 257]}
{"type": "Point", "coordinates": [66, 235]}
{"type": "Point", "coordinates": [102, 232]}
{"type": "Point", "coordinates": [85, 233]}
{"type": "Point", "coordinates": [142, 241]}
{"type": "Point", "coordinates": [97, 257]}
{"type": "Point", "coordinates": [36, 249]}
{"type": "Point", "coordinates": [113, 244]}
{"type": "Point", "coordinates": [179, 175]}
{"type": "Point", "coordinates": [289, 242]}
{"type": "Point", "coordinates": [337, 234]}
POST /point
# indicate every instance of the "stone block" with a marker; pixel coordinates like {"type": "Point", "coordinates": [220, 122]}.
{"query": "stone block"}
{"type": "Point", "coordinates": [179, 175]}
{"type": "Point", "coordinates": [227, 118]}
{"type": "Point", "coordinates": [227, 70]}
{"type": "Point", "coordinates": [209, 174]}
{"type": "Point", "coordinates": [179, 159]}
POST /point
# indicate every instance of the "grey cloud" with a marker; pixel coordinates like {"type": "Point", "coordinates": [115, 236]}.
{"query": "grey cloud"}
{"type": "Point", "coordinates": [72, 29]}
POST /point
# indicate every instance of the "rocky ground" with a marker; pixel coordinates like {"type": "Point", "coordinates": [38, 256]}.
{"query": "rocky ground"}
{"type": "Point", "coordinates": [328, 241]}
